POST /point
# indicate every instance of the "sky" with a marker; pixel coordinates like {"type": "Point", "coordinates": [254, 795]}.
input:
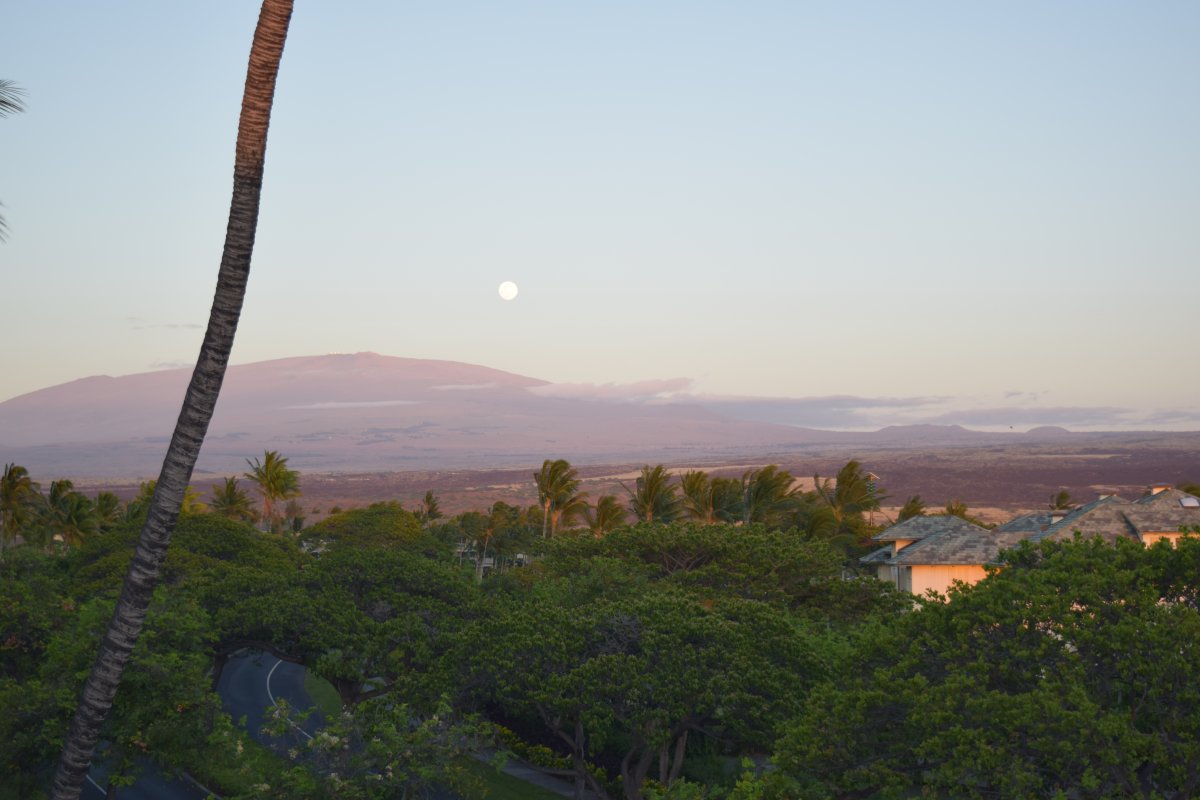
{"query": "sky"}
{"type": "Point", "coordinates": [984, 213]}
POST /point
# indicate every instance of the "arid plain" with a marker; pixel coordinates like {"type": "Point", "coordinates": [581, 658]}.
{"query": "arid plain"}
{"type": "Point", "coordinates": [995, 480]}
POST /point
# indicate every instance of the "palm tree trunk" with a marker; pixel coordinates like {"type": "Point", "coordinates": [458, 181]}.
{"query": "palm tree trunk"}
{"type": "Point", "coordinates": [198, 404]}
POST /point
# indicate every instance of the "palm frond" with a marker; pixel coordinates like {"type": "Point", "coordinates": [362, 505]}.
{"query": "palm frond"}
{"type": "Point", "coordinates": [11, 98]}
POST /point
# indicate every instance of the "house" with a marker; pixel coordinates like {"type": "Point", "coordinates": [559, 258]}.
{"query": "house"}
{"type": "Point", "coordinates": [1160, 513]}
{"type": "Point", "coordinates": [933, 552]}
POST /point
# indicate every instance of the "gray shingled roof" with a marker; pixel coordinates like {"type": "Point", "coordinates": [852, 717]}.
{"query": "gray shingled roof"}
{"type": "Point", "coordinates": [880, 556]}
{"type": "Point", "coordinates": [919, 527]}
{"type": "Point", "coordinates": [946, 540]}
{"type": "Point", "coordinates": [978, 546]}
{"type": "Point", "coordinates": [1166, 497]}
{"type": "Point", "coordinates": [1160, 518]}
{"type": "Point", "coordinates": [1035, 522]}
{"type": "Point", "coordinates": [1101, 517]}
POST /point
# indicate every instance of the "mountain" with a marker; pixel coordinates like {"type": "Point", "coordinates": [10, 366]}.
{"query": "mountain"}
{"type": "Point", "coordinates": [1048, 432]}
{"type": "Point", "coordinates": [363, 412]}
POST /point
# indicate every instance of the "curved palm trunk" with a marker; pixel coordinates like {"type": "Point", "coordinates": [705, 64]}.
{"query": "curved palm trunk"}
{"type": "Point", "coordinates": [198, 404]}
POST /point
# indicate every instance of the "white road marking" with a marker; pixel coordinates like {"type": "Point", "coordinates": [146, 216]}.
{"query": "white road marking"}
{"type": "Point", "coordinates": [269, 674]}
{"type": "Point", "coordinates": [271, 695]}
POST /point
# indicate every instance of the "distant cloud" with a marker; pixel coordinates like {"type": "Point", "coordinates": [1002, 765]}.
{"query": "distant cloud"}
{"type": "Point", "coordinates": [1173, 417]}
{"type": "Point", "coordinates": [1018, 409]}
{"type": "Point", "coordinates": [170, 364]}
{"type": "Point", "coordinates": [1023, 396]}
{"type": "Point", "coordinates": [844, 412]}
{"type": "Point", "coordinates": [355, 404]}
{"type": "Point", "coordinates": [626, 392]}
{"type": "Point", "coordinates": [838, 412]}
{"type": "Point", "coordinates": [824, 401]}
{"type": "Point", "coordinates": [1090, 416]}
{"type": "Point", "coordinates": [447, 387]}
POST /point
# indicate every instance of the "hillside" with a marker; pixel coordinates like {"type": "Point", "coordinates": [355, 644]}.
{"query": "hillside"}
{"type": "Point", "coordinates": [360, 412]}
{"type": "Point", "coordinates": [369, 413]}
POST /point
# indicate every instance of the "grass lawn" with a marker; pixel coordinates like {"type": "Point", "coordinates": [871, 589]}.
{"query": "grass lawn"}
{"type": "Point", "coordinates": [505, 787]}
{"type": "Point", "coordinates": [323, 695]}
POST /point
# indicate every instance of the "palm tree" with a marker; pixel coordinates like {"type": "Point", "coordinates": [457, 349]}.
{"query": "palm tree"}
{"type": "Point", "coordinates": [709, 500]}
{"type": "Point", "coordinates": [231, 501]}
{"type": "Point", "coordinates": [192, 504]}
{"type": "Point", "coordinates": [851, 493]}
{"type": "Point", "coordinates": [430, 509]}
{"type": "Point", "coordinates": [767, 493]}
{"type": "Point", "coordinates": [607, 515]}
{"type": "Point", "coordinates": [293, 516]}
{"type": "Point", "coordinates": [849, 496]}
{"type": "Point", "coordinates": [10, 98]}
{"type": "Point", "coordinates": [275, 482]}
{"type": "Point", "coordinates": [653, 498]}
{"type": "Point", "coordinates": [957, 508]}
{"type": "Point", "coordinates": [10, 103]}
{"type": "Point", "coordinates": [108, 510]}
{"type": "Point", "coordinates": [1061, 501]}
{"type": "Point", "coordinates": [198, 404]}
{"type": "Point", "coordinates": [913, 507]}
{"type": "Point", "coordinates": [558, 494]}
{"type": "Point", "coordinates": [68, 515]}
{"type": "Point", "coordinates": [18, 500]}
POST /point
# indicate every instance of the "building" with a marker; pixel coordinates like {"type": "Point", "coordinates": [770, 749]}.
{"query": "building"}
{"type": "Point", "coordinates": [933, 552]}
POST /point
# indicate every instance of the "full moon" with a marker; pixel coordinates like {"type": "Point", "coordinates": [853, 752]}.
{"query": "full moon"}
{"type": "Point", "coordinates": [508, 290]}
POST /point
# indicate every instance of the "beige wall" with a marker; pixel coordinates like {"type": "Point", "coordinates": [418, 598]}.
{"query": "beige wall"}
{"type": "Point", "coordinates": [1150, 538]}
{"type": "Point", "coordinates": [939, 577]}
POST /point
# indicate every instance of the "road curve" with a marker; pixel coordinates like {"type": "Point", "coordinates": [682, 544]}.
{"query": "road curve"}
{"type": "Point", "coordinates": [249, 685]}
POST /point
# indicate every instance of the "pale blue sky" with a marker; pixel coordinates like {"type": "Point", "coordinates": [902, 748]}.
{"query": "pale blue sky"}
{"type": "Point", "coordinates": [986, 212]}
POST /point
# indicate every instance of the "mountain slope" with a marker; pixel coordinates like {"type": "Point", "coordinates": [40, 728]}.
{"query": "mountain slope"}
{"type": "Point", "coordinates": [359, 412]}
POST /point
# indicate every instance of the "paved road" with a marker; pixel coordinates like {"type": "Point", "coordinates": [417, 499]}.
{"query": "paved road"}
{"type": "Point", "coordinates": [250, 684]}
{"type": "Point", "coordinates": [246, 688]}
{"type": "Point", "coordinates": [151, 784]}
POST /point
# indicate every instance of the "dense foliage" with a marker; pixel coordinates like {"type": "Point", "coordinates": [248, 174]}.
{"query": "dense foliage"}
{"type": "Point", "coordinates": [1074, 672]}
{"type": "Point", "coordinates": [658, 660]}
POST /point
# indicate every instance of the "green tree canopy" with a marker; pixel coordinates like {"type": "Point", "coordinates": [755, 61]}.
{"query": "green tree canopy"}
{"type": "Point", "coordinates": [626, 680]}
{"type": "Point", "coordinates": [724, 561]}
{"type": "Point", "coordinates": [379, 525]}
{"type": "Point", "coordinates": [1073, 672]}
